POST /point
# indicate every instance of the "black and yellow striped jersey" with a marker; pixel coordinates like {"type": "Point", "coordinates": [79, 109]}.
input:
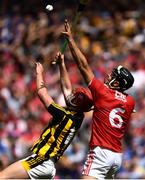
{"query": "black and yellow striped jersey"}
{"type": "Point", "coordinates": [59, 133]}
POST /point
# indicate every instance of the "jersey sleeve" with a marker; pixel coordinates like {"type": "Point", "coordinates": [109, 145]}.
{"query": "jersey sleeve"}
{"type": "Point", "coordinates": [96, 87]}
{"type": "Point", "coordinates": [57, 112]}
{"type": "Point", "coordinates": [131, 102]}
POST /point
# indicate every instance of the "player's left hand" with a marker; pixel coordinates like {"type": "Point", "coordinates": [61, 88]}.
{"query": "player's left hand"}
{"type": "Point", "coordinates": [39, 68]}
{"type": "Point", "coordinates": [59, 58]}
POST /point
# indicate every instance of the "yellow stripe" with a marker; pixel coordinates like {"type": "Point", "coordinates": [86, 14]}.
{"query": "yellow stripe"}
{"type": "Point", "coordinates": [45, 148]}
{"type": "Point", "coordinates": [59, 107]}
{"type": "Point", "coordinates": [45, 133]}
{"type": "Point", "coordinates": [25, 165]}
{"type": "Point", "coordinates": [61, 137]}
{"type": "Point", "coordinates": [63, 109]}
{"type": "Point", "coordinates": [39, 141]}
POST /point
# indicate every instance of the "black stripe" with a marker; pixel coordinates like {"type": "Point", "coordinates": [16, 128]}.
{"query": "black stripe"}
{"type": "Point", "coordinates": [56, 135]}
{"type": "Point", "coordinates": [36, 161]}
{"type": "Point", "coordinates": [62, 144]}
{"type": "Point", "coordinates": [60, 153]}
{"type": "Point", "coordinates": [77, 121]}
{"type": "Point", "coordinates": [44, 141]}
{"type": "Point", "coordinates": [46, 128]}
{"type": "Point", "coordinates": [33, 147]}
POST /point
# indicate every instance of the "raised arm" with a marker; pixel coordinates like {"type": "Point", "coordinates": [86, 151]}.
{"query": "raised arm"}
{"type": "Point", "coordinates": [78, 56]}
{"type": "Point", "coordinates": [64, 77]}
{"type": "Point", "coordinates": [41, 88]}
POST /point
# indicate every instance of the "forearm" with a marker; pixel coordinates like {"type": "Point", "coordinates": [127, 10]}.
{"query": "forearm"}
{"type": "Point", "coordinates": [64, 80]}
{"type": "Point", "coordinates": [42, 90]}
{"type": "Point", "coordinates": [81, 61]}
{"type": "Point", "coordinates": [39, 82]}
{"type": "Point", "coordinates": [77, 54]}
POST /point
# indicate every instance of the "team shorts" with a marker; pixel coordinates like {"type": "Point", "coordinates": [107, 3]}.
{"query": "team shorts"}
{"type": "Point", "coordinates": [102, 163]}
{"type": "Point", "coordinates": [38, 167]}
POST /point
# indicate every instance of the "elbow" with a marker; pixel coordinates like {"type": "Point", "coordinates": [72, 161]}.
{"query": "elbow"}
{"type": "Point", "coordinates": [40, 93]}
{"type": "Point", "coordinates": [44, 97]}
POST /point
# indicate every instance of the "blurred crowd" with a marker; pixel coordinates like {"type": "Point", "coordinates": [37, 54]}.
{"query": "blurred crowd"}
{"type": "Point", "coordinates": [108, 37]}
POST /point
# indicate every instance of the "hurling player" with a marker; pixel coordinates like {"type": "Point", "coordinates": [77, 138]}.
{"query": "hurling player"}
{"type": "Point", "coordinates": [58, 134]}
{"type": "Point", "coordinates": [112, 110]}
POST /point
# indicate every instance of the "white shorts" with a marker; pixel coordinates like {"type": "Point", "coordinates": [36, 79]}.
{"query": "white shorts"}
{"type": "Point", "coordinates": [102, 163]}
{"type": "Point", "coordinates": [38, 167]}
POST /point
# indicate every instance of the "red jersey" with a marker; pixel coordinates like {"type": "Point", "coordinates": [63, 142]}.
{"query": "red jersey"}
{"type": "Point", "coordinates": [112, 111]}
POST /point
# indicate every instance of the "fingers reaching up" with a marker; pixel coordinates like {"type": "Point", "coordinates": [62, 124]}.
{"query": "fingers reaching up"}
{"type": "Point", "coordinates": [67, 30]}
{"type": "Point", "coordinates": [59, 58]}
{"type": "Point", "coordinates": [38, 67]}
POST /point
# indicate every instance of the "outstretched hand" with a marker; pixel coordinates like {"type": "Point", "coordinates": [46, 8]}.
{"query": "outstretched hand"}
{"type": "Point", "coordinates": [59, 58]}
{"type": "Point", "coordinates": [67, 30]}
{"type": "Point", "coordinates": [39, 68]}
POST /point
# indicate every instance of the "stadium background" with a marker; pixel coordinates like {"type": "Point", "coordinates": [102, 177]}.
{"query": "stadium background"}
{"type": "Point", "coordinates": [109, 33]}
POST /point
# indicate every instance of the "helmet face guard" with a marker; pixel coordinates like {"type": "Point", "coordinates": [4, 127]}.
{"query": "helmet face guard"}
{"type": "Point", "coordinates": [123, 76]}
{"type": "Point", "coordinates": [73, 100]}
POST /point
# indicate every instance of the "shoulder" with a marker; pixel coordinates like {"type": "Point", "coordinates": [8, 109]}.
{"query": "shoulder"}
{"type": "Point", "coordinates": [95, 83]}
{"type": "Point", "coordinates": [56, 110]}
{"type": "Point", "coordinates": [130, 100]}
{"type": "Point", "coordinates": [54, 105]}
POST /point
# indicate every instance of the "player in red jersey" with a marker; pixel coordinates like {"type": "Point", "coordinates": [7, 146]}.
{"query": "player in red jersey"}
{"type": "Point", "coordinates": [112, 111]}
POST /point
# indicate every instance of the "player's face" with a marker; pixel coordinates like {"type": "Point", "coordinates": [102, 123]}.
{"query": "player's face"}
{"type": "Point", "coordinates": [107, 79]}
{"type": "Point", "coordinates": [114, 85]}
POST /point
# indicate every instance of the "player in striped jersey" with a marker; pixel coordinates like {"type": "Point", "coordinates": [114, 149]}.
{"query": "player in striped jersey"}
{"type": "Point", "coordinates": [59, 133]}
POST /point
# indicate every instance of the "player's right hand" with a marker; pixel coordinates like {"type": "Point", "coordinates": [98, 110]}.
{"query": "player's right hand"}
{"type": "Point", "coordinates": [39, 68]}
{"type": "Point", "coordinates": [67, 30]}
{"type": "Point", "coordinates": [59, 58]}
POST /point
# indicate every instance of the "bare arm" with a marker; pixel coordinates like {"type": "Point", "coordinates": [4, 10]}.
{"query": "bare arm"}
{"type": "Point", "coordinates": [41, 88]}
{"type": "Point", "coordinates": [78, 56]}
{"type": "Point", "coordinates": [64, 77]}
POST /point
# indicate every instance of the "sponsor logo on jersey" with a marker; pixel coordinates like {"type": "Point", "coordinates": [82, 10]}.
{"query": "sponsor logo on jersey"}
{"type": "Point", "coordinates": [120, 96]}
{"type": "Point", "coordinates": [70, 136]}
